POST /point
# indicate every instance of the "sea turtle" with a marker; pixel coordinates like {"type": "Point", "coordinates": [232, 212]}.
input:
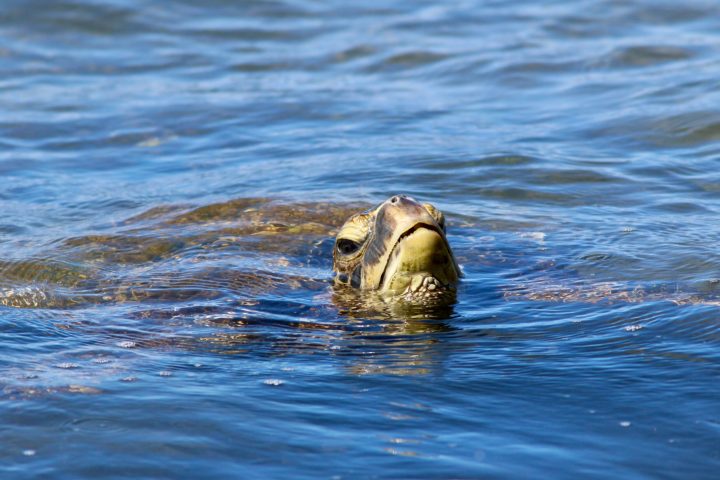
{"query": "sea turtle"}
{"type": "Point", "coordinates": [245, 249]}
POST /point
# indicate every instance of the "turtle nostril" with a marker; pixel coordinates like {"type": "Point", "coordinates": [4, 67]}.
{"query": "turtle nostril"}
{"type": "Point", "coordinates": [395, 199]}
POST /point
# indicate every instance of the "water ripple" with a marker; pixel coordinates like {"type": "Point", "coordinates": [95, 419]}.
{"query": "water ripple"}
{"type": "Point", "coordinates": [173, 179]}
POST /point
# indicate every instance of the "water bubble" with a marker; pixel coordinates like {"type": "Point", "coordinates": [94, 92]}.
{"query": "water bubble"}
{"type": "Point", "coordinates": [536, 236]}
{"type": "Point", "coordinates": [29, 452]}
{"type": "Point", "coordinates": [126, 344]}
{"type": "Point", "coordinates": [275, 382]}
{"type": "Point", "coordinates": [165, 373]}
{"type": "Point", "coordinates": [625, 423]}
{"type": "Point", "coordinates": [67, 365]}
{"type": "Point", "coordinates": [403, 453]}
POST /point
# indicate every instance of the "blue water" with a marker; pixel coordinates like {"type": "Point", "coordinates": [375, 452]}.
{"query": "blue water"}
{"type": "Point", "coordinates": [173, 175]}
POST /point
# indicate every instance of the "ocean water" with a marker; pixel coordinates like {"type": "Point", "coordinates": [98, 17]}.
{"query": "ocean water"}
{"type": "Point", "coordinates": [172, 176]}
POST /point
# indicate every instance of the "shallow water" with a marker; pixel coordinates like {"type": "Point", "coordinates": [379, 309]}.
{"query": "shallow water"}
{"type": "Point", "coordinates": [173, 175]}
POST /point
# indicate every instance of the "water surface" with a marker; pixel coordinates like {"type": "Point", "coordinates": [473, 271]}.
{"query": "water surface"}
{"type": "Point", "coordinates": [173, 176]}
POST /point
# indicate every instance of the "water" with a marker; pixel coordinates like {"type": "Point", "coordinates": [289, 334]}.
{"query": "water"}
{"type": "Point", "coordinates": [173, 175]}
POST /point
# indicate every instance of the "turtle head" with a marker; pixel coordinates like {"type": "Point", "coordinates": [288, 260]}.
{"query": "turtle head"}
{"type": "Point", "coordinates": [398, 248]}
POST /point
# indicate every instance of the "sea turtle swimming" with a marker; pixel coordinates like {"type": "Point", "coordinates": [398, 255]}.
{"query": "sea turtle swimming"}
{"type": "Point", "coordinates": [397, 248]}
{"type": "Point", "coordinates": [246, 249]}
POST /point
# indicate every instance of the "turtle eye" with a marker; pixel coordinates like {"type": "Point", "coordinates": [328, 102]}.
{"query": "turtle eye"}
{"type": "Point", "coordinates": [436, 214]}
{"type": "Point", "coordinates": [346, 246]}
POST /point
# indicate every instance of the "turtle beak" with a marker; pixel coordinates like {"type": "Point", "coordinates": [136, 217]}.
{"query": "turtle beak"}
{"type": "Point", "coordinates": [408, 246]}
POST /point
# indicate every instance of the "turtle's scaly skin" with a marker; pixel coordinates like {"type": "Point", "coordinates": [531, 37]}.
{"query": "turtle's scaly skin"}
{"type": "Point", "coordinates": [399, 248]}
